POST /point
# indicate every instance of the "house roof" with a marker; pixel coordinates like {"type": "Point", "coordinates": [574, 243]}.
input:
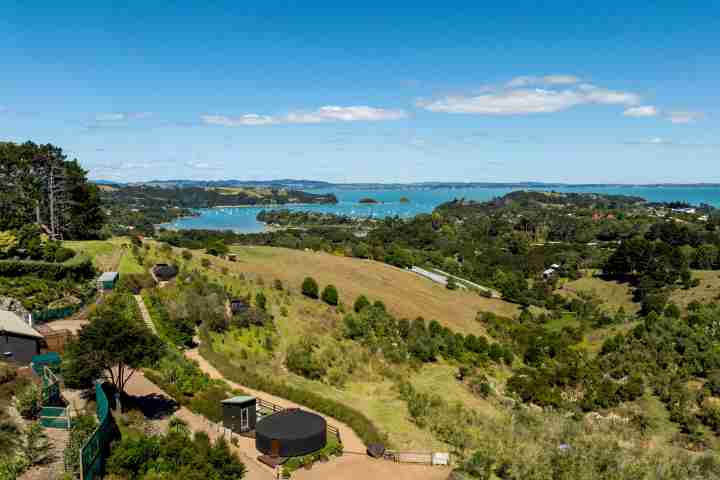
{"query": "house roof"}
{"type": "Point", "coordinates": [240, 399]}
{"type": "Point", "coordinates": [108, 276]}
{"type": "Point", "coordinates": [12, 323]}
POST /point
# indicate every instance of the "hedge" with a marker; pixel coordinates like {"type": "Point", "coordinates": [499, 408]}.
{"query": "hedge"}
{"type": "Point", "coordinates": [361, 425]}
{"type": "Point", "coordinates": [77, 268]}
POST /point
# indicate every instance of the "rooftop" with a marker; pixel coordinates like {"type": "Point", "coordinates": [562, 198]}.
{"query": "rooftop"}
{"type": "Point", "coordinates": [13, 323]}
{"type": "Point", "coordinates": [239, 399]}
{"type": "Point", "coordinates": [108, 276]}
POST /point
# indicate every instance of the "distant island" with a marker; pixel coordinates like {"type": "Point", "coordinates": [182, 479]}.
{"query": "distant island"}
{"type": "Point", "coordinates": [368, 200]}
{"type": "Point", "coordinates": [404, 200]}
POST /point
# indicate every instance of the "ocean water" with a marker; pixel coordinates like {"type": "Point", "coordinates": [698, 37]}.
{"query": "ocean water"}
{"type": "Point", "coordinates": [243, 219]}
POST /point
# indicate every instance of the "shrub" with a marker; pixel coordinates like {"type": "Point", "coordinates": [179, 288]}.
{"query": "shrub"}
{"type": "Point", "coordinates": [300, 360]}
{"type": "Point", "coordinates": [35, 446]}
{"type": "Point", "coordinates": [310, 287]}
{"type": "Point", "coordinates": [187, 255]}
{"type": "Point", "coordinates": [451, 284]}
{"type": "Point", "coordinates": [136, 281]}
{"type": "Point", "coordinates": [217, 249]}
{"type": "Point", "coordinates": [261, 301]}
{"type": "Point", "coordinates": [360, 424]}
{"type": "Point", "coordinates": [27, 401]}
{"type": "Point", "coordinates": [330, 295]}
{"type": "Point", "coordinates": [205, 262]}
{"type": "Point", "coordinates": [360, 303]}
{"type": "Point", "coordinates": [277, 284]}
{"type": "Point", "coordinates": [77, 268]}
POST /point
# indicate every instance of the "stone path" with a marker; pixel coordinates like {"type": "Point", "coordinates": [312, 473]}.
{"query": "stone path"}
{"type": "Point", "coordinates": [145, 314]}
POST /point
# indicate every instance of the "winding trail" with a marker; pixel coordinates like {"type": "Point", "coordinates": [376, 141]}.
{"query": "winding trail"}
{"type": "Point", "coordinates": [355, 464]}
{"type": "Point", "coordinates": [351, 441]}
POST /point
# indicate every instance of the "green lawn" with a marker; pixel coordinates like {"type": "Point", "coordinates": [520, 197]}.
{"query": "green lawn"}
{"type": "Point", "coordinates": [566, 320]}
{"type": "Point", "coordinates": [129, 265]}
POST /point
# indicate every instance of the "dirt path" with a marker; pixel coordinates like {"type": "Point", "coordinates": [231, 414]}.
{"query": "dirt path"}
{"type": "Point", "coordinates": [350, 439]}
{"type": "Point", "coordinates": [354, 464]}
{"type": "Point", "coordinates": [139, 386]}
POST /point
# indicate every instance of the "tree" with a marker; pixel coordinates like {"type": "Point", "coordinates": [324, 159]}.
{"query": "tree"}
{"type": "Point", "coordinates": [260, 301]}
{"type": "Point", "coordinates": [217, 248]}
{"type": "Point", "coordinates": [28, 401]}
{"type": "Point", "coordinates": [330, 295]}
{"type": "Point", "coordinates": [8, 243]}
{"type": "Point", "coordinates": [115, 343]}
{"type": "Point", "coordinates": [310, 287]}
{"type": "Point", "coordinates": [451, 284]}
{"type": "Point", "coordinates": [360, 303]}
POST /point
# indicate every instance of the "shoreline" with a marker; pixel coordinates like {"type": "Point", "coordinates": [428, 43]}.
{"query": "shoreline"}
{"type": "Point", "coordinates": [264, 205]}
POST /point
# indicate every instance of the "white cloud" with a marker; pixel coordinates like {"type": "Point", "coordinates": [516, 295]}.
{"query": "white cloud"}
{"type": "Point", "coordinates": [248, 119]}
{"type": "Point", "coordinates": [121, 116]}
{"type": "Point", "coordinates": [527, 101]}
{"type": "Point", "coordinates": [684, 117]}
{"type": "Point", "coordinates": [641, 111]}
{"type": "Point", "coordinates": [328, 113]}
{"type": "Point", "coordinates": [332, 113]}
{"type": "Point", "coordinates": [547, 80]}
{"type": "Point", "coordinates": [201, 166]}
{"type": "Point", "coordinates": [650, 141]}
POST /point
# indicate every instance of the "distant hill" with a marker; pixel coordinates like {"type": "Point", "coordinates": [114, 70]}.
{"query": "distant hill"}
{"type": "Point", "coordinates": [303, 184]}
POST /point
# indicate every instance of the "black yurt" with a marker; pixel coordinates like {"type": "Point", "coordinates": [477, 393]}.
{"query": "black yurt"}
{"type": "Point", "coordinates": [290, 433]}
{"type": "Point", "coordinates": [164, 272]}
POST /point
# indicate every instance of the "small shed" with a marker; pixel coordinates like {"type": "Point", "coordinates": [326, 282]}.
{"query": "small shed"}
{"type": "Point", "coordinates": [19, 342]}
{"type": "Point", "coordinates": [238, 305]}
{"type": "Point", "coordinates": [108, 280]}
{"type": "Point", "coordinates": [240, 413]}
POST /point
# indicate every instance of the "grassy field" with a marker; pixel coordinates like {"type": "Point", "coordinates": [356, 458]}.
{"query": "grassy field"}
{"type": "Point", "coordinates": [108, 255]}
{"type": "Point", "coordinates": [369, 389]}
{"type": "Point", "coordinates": [405, 294]}
{"type": "Point", "coordinates": [613, 294]}
{"type": "Point", "coordinates": [373, 387]}
{"type": "Point", "coordinates": [708, 290]}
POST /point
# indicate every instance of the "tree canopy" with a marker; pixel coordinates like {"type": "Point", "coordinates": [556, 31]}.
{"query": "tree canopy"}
{"type": "Point", "coordinates": [114, 344]}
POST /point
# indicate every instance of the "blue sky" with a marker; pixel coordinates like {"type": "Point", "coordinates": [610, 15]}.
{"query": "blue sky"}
{"type": "Point", "coordinates": [382, 91]}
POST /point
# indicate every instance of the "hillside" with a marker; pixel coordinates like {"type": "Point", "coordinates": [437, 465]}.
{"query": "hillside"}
{"type": "Point", "coordinates": [406, 294]}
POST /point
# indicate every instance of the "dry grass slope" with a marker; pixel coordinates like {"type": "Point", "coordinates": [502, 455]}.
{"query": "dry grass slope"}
{"type": "Point", "coordinates": [708, 290]}
{"type": "Point", "coordinates": [406, 294]}
{"type": "Point", "coordinates": [614, 294]}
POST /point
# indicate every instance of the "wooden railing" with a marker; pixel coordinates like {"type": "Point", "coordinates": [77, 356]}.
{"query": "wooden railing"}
{"type": "Point", "coordinates": [425, 458]}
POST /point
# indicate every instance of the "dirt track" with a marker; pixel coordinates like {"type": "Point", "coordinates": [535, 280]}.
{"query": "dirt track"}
{"type": "Point", "coordinates": [355, 464]}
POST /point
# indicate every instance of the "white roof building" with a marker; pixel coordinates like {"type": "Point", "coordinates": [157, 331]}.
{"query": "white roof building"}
{"type": "Point", "coordinates": [11, 322]}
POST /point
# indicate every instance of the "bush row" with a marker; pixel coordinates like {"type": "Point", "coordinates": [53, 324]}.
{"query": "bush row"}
{"type": "Point", "coordinates": [188, 385]}
{"type": "Point", "coordinates": [78, 268]}
{"type": "Point", "coordinates": [360, 424]}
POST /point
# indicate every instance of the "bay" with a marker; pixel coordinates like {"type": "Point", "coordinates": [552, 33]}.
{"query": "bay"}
{"type": "Point", "coordinates": [243, 219]}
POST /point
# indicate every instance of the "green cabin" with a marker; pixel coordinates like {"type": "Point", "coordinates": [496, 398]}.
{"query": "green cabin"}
{"type": "Point", "coordinates": [108, 280]}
